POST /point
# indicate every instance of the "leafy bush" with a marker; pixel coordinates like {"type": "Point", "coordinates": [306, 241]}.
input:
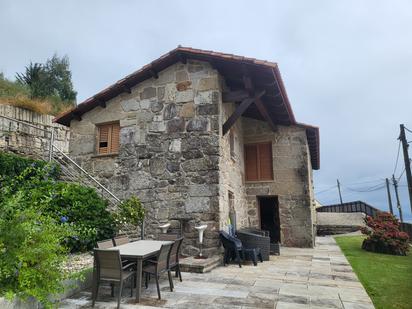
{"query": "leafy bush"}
{"type": "Point", "coordinates": [31, 252]}
{"type": "Point", "coordinates": [79, 206]}
{"type": "Point", "coordinates": [85, 211]}
{"type": "Point", "coordinates": [130, 211]}
{"type": "Point", "coordinates": [384, 235]}
{"type": "Point", "coordinates": [12, 165]}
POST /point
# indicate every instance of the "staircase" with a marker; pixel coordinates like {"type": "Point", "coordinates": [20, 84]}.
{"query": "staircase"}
{"type": "Point", "coordinates": [71, 171]}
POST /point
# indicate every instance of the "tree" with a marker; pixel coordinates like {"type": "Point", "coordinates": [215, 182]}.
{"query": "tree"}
{"type": "Point", "coordinates": [53, 78]}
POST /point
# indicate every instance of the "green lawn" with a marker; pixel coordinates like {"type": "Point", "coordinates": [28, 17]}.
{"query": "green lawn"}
{"type": "Point", "coordinates": [386, 278]}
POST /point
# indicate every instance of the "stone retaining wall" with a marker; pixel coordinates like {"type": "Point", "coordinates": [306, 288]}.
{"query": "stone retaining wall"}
{"type": "Point", "coordinates": [28, 141]}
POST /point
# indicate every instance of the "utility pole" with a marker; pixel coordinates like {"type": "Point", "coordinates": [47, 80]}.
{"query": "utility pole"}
{"type": "Point", "coordinates": [405, 146]}
{"type": "Point", "coordinates": [389, 196]}
{"type": "Point", "coordinates": [398, 204]}
{"type": "Point", "coordinates": [340, 194]}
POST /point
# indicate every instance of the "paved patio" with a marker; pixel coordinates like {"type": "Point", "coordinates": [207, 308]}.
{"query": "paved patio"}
{"type": "Point", "coordinates": [298, 278]}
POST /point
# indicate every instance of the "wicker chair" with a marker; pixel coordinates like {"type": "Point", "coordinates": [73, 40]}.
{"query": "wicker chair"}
{"type": "Point", "coordinates": [234, 249]}
{"type": "Point", "coordinates": [121, 240]}
{"type": "Point", "coordinates": [105, 244]}
{"type": "Point", "coordinates": [173, 261]}
{"type": "Point", "coordinates": [171, 237]}
{"type": "Point", "coordinates": [255, 240]}
{"type": "Point", "coordinates": [159, 266]}
{"type": "Point", "coordinates": [108, 268]}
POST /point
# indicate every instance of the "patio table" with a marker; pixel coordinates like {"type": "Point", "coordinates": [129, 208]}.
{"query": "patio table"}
{"type": "Point", "coordinates": [139, 251]}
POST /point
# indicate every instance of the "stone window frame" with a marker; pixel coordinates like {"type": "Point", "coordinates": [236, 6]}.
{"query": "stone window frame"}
{"type": "Point", "coordinates": [110, 151]}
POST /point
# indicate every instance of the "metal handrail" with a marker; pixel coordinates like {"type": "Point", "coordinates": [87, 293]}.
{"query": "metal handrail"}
{"type": "Point", "coordinates": [87, 174]}
{"type": "Point", "coordinates": [52, 146]}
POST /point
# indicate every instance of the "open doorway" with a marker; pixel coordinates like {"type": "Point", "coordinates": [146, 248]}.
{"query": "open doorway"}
{"type": "Point", "coordinates": [269, 217]}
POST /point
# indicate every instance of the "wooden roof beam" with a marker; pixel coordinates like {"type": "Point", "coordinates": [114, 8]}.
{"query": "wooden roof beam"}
{"type": "Point", "coordinates": [239, 111]}
{"type": "Point", "coordinates": [101, 103]}
{"type": "Point", "coordinates": [126, 88]}
{"type": "Point", "coordinates": [153, 73]}
{"type": "Point", "coordinates": [235, 96]}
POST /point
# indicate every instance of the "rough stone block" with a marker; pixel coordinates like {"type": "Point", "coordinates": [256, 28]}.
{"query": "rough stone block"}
{"type": "Point", "coordinates": [184, 96]}
{"type": "Point", "coordinates": [183, 86]}
{"type": "Point", "coordinates": [147, 93]}
{"type": "Point", "coordinates": [208, 83]}
{"type": "Point", "coordinates": [202, 190]}
{"type": "Point", "coordinates": [130, 105]}
{"type": "Point", "coordinates": [188, 110]}
{"type": "Point", "coordinates": [197, 204]}
{"type": "Point", "coordinates": [176, 125]}
{"type": "Point", "coordinates": [197, 124]}
{"type": "Point", "coordinates": [170, 111]}
{"type": "Point", "coordinates": [181, 76]}
{"type": "Point", "coordinates": [175, 145]}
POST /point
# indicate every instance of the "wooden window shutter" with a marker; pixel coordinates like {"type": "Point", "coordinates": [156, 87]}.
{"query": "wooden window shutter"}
{"type": "Point", "coordinates": [108, 138]}
{"type": "Point", "coordinates": [251, 162]}
{"type": "Point", "coordinates": [258, 162]}
{"type": "Point", "coordinates": [115, 136]}
{"type": "Point", "coordinates": [265, 161]}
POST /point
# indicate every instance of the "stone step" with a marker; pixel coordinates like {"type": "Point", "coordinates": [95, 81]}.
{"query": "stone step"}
{"type": "Point", "coordinates": [193, 265]}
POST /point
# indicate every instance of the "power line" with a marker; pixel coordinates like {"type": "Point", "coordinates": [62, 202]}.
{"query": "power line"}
{"type": "Point", "coordinates": [325, 190]}
{"type": "Point", "coordinates": [397, 157]}
{"type": "Point", "coordinates": [368, 189]}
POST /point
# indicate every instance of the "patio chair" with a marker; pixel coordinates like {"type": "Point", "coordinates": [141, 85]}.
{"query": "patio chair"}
{"type": "Point", "coordinates": [171, 237]}
{"type": "Point", "coordinates": [108, 268]}
{"type": "Point", "coordinates": [255, 239]}
{"type": "Point", "coordinates": [105, 244]}
{"type": "Point", "coordinates": [234, 249]}
{"type": "Point", "coordinates": [121, 240]}
{"type": "Point", "coordinates": [173, 261]}
{"type": "Point", "coordinates": [159, 266]}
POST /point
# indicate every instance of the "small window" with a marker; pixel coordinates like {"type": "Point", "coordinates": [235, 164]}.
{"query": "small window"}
{"type": "Point", "coordinates": [232, 145]}
{"type": "Point", "coordinates": [108, 138]}
{"type": "Point", "coordinates": [258, 162]}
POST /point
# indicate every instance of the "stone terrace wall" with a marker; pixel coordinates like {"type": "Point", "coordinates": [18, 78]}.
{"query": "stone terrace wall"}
{"type": "Point", "coordinates": [169, 148]}
{"type": "Point", "coordinates": [292, 181]}
{"type": "Point", "coordinates": [32, 142]}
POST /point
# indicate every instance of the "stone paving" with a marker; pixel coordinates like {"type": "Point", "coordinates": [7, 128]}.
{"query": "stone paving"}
{"type": "Point", "coordinates": [298, 278]}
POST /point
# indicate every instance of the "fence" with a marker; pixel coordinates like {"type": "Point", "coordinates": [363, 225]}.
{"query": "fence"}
{"type": "Point", "coordinates": [359, 206]}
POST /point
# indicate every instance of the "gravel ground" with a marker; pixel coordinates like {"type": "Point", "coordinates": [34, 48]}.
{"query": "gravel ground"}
{"type": "Point", "coordinates": [79, 261]}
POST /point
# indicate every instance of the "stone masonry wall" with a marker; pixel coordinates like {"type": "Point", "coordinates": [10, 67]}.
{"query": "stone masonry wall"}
{"type": "Point", "coordinates": [169, 149]}
{"type": "Point", "coordinates": [28, 141]}
{"type": "Point", "coordinates": [232, 177]}
{"type": "Point", "coordinates": [292, 182]}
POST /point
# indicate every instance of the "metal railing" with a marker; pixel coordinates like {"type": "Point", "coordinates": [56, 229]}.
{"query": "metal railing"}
{"type": "Point", "coordinates": [71, 171]}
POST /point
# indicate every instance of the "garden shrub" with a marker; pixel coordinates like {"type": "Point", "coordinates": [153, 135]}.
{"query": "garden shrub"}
{"type": "Point", "coordinates": [85, 210]}
{"type": "Point", "coordinates": [31, 252]}
{"type": "Point", "coordinates": [12, 165]}
{"type": "Point", "coordinates": [79, 206]}
{"type": "Point", "coordinates": [384, 235]}
{"type": "Point", "coordinates": [130, 211]}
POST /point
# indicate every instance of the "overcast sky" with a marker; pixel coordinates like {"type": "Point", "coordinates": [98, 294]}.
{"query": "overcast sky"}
{"type": "Point", "coordinates": [347, 65]}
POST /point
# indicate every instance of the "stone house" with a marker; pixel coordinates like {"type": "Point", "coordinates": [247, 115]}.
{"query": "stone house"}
{"type": "Point", "coordinates": [198, 135]}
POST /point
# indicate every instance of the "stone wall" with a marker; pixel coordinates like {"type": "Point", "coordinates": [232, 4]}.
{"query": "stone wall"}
{"type": "Point", "coordinates": [26, 140]}
{"type": "Point", "coordinates": [231, 168]}
{"type": "Point", "coordinates": [174, 158]}
{"type": "Point", "coordinates": [169, 148]}
{"type": "Point", "coordinates": [292, 182]}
